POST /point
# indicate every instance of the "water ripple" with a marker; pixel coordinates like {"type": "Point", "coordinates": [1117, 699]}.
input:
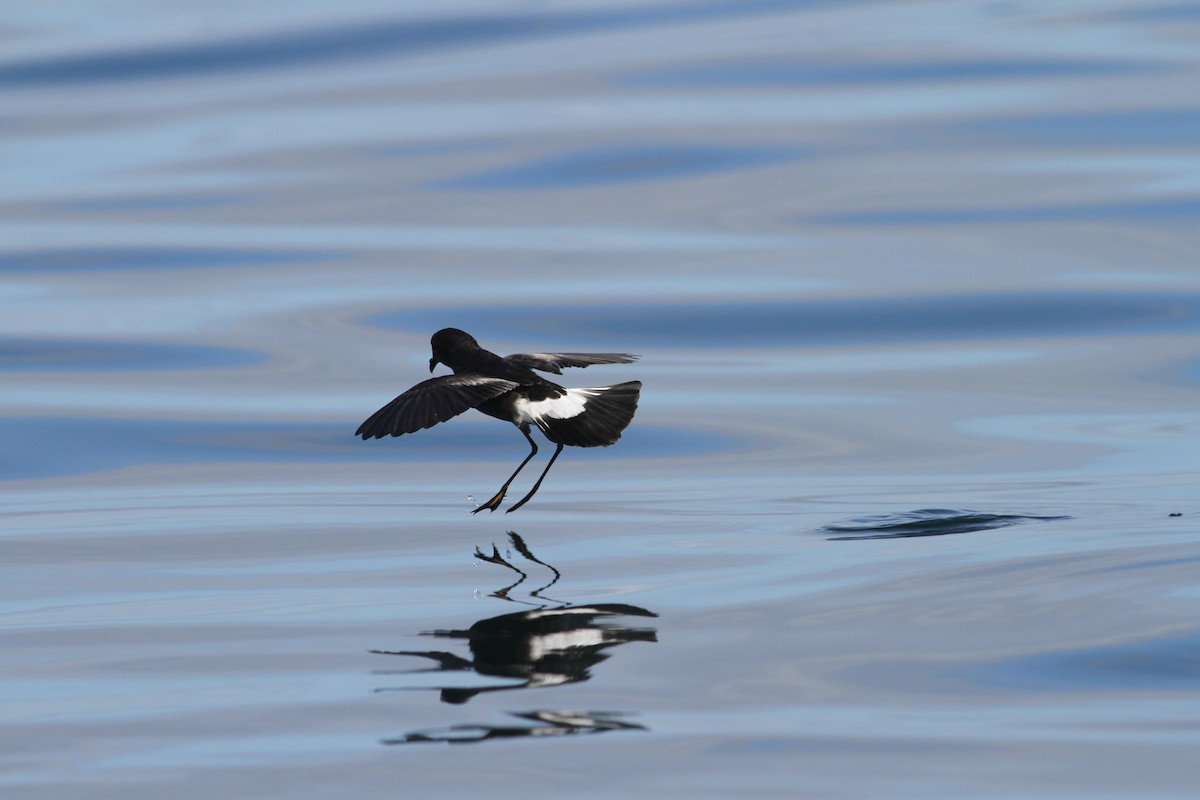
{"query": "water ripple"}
{"type": "Point", "coordinates": [1161, 127]}
{"type": "Point", "coordinates": [621, 164]}
{"type": "Point", "coordinates": [1162, 665]}
{"type": "Point", "coordinates": [62, 355]}
{"type": "Point", "coordinates": [780, 72]}
{"type": "Point", "coordinates": [823, 322]}
{"type": "Point", "coordinates": [102, 258]}
{"type": "Point", "coordinates": [924, 522]}
{"type": "Point", "coordinates": [1153, 211]}
{"type": "Point", "coordinates": [281, 50]}
{"type": "Point", "coordinates": [41, 447]}
{"type": "Point", "coordinates": [355, 42]}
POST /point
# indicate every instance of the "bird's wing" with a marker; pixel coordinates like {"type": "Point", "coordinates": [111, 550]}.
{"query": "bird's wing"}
{"type": "Point", "coordinates": [432, 401]}
{"type": "Point", "coordinates": [554, 362]}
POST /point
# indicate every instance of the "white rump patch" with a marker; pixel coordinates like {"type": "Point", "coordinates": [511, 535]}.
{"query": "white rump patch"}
{"type": "Point", "coordinates": [569, 405]}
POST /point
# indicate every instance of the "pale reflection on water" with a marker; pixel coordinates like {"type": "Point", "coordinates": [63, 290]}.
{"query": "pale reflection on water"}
{"type": "Point", "coordinates": [909, 505]}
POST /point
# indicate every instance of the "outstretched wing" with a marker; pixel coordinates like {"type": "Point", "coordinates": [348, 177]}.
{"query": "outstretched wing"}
{"type": "Point", "coordinates": [432, 401]}
{"type": "Point", "coordinates": [554, 362]}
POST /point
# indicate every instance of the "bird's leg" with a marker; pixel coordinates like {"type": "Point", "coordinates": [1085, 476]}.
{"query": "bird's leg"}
{"type": "Point", "coordinates": [533, 491]}
{"type": "Point", "coordinates": [498, 497]}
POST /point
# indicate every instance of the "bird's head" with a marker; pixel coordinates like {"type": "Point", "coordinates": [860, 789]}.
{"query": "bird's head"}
{"type": "Point", "coordinates": [447, 343]}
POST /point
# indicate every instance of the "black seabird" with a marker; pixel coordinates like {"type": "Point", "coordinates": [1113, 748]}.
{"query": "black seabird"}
{"type": "Point", "coordinates": [507, 388]}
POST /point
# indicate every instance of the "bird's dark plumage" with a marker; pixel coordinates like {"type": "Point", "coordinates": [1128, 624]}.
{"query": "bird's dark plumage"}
{"type": "Point", "coordinates": [507, 388]}
{"type": "Point", "coordinates": [432, 401]}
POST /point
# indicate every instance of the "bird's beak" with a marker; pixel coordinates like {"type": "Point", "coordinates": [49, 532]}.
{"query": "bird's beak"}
{"type": "Point", "coordinates": [433, 362]}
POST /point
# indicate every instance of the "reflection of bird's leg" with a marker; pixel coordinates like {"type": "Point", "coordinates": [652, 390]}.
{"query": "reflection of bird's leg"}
{"type": "Point", "coordinates": [496, 558]}
{"type": "Point", "coordinates": [533, 491]}
{"type": "Point", "coordinates": [498, 497]}
{"type": "Point", "coordinates": [524, 550]}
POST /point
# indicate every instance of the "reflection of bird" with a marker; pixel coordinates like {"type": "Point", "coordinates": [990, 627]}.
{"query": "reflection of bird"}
{"type": "Point", "coordinates": [507, 388]}
{"type": "Point", "coordinates": [546, 647]}
{"type": "Point", "coordinates": [553, 723]}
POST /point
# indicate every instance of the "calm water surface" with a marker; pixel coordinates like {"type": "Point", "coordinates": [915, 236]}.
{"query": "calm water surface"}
{"type": "Point", "coordinates": [910, 505]}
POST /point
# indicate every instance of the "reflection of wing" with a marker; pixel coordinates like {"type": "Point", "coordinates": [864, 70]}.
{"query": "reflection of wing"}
{"type": "Point", "coordinates": [552, 723]}
{"type": "Point", "coordinates": [554, 362]}
{"type": "Point", "coordinates": [445, 661]}
{"type": "Point", "coordinates": [432, 401]}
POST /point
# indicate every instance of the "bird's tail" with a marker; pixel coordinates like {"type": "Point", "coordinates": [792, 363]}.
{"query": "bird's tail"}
{"type": "Point", "coordinates": [605, 412]}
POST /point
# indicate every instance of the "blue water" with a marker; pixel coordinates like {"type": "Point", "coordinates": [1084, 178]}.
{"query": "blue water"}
{"type": "Point", "coordinates": [909, 505]}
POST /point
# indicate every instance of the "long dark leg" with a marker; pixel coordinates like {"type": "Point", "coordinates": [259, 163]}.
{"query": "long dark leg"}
{"type": "Point", "coordinates": [533, 491]}
{"type": "Point", "coordinates": [498, 497]}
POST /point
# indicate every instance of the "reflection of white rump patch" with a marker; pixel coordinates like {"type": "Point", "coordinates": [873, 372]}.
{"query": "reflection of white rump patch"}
{"type": "Point", "coordinates": [569, 405]}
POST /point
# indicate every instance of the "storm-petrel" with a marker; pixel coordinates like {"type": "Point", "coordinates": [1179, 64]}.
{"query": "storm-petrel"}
{"type": "Point", "coordinates": [507, 388]}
